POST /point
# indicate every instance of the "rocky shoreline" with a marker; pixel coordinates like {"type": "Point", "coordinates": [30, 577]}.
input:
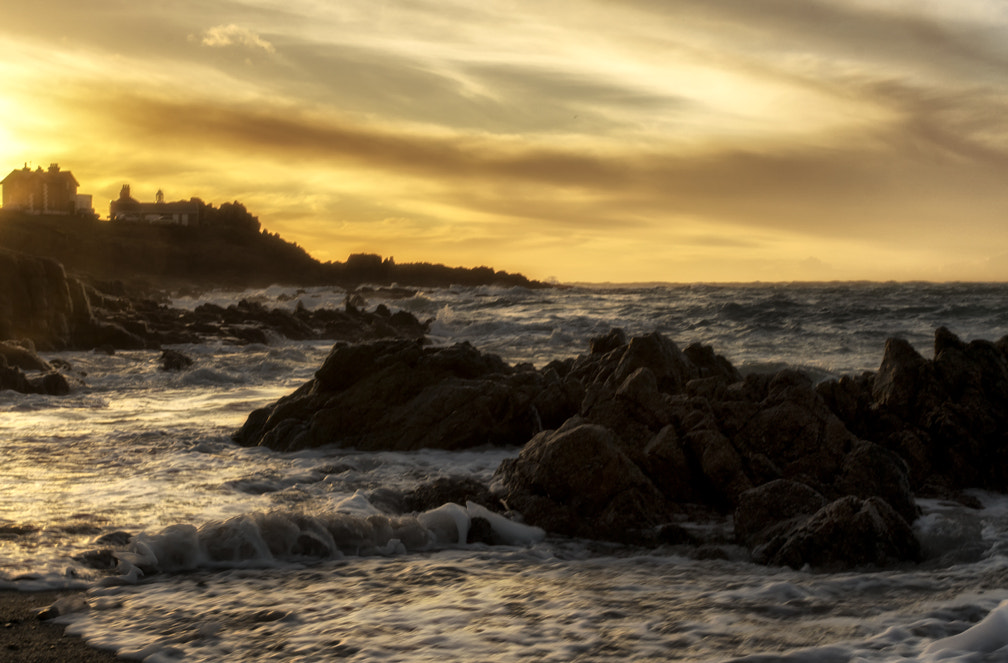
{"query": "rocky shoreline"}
{"type": "Point", "coordinates": [637, 437]}
{"type": "Point", "coordinates": [45, 309]}
{"type": "Point", "coordinates": [628, 443]}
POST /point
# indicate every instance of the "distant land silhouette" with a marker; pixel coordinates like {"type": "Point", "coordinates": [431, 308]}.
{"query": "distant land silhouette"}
{"type": "Point", "coordinates": [228, 249]}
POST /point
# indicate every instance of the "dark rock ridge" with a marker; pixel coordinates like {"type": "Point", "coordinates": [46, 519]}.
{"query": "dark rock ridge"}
{"type": "Point", "coordinates": [637, 438]}
{"type": "Point", "coordinates": [228, 249]}
{"type": "Point", "coordinates": [43, 308]}
{"type": "Point", "coordinates": [399, 394]}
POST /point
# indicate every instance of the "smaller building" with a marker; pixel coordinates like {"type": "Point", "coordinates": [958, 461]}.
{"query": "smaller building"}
{"type": "Point", "coordinates": [52, 191]}
{"type": "Point", "coordinates": [128, 209]}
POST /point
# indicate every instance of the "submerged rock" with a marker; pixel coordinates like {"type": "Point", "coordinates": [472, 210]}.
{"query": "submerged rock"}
{"type": "Point", "coordinates": [50, 382]}
{"type": "Point", "coordinates": [173, 360]}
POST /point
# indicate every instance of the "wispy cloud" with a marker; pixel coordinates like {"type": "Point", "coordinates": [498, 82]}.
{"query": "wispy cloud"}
{"type": "Point", "coordinates": [222, 36]}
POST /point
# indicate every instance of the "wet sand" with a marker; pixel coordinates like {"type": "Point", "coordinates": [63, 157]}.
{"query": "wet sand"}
{"type": "Point", "coordinates": [25, 638]}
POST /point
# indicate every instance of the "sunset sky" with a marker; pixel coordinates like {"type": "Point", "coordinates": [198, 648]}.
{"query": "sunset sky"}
{"type": "Point", "coordinates": [731, 140]}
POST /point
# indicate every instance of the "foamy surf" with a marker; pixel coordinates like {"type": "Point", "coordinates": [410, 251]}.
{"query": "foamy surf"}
{"type": "Point", "coordinates": [264, 539]}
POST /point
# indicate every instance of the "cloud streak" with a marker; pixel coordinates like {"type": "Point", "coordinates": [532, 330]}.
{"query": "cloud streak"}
{"type": "Point", "coordinates": [223, 36]}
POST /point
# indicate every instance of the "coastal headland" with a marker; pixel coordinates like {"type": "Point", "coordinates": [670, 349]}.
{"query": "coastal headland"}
{"type": "Point", "coordinates": [228, 250]}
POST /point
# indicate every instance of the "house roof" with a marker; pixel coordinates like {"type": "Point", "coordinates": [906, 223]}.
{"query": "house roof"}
{"type": "Point", "coordinates": [39, 173]}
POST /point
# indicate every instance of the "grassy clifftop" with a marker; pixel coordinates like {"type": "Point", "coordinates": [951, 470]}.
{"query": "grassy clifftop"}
{"type": "Point", "coordinates": [216, 255]}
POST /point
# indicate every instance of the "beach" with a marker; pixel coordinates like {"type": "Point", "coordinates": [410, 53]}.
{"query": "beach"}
{"type": "Point", "coordinates": [24, 638]}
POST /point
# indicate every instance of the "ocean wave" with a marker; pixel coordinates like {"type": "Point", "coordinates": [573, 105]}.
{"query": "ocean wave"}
{"type": "Point", "coordinates": [354, 528]}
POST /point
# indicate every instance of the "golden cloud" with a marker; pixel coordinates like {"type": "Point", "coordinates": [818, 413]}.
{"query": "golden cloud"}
{"type": "Point", "coordinates": [222, 36]}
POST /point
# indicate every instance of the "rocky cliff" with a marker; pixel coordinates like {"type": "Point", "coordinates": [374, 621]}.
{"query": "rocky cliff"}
{"type": "Point", "coordinates": [38, 301]}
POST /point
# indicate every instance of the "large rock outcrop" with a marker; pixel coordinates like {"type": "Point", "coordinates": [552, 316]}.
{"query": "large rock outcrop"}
{"type": "Point", "coordinates": [694, 432]}
{"type": "Point", "coordinates": [399, 394]}
{"type": "Point", "coordinates": [623, 443]}
{"type": "Point", "coordinates": [945, 417]}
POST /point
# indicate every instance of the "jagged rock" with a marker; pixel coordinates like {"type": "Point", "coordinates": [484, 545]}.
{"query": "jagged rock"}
{"type": "Point", "coordinates": [51, 383]}
{"type": "Point", "coordinates": [848, 532]}
{"type": "Point", "coordinates": [947, 417]}
{"type": "Point", "coordinates": [711, 365]}
{"type": "Point", "coordinates": [600, 345]}
{"type": "Point", "coordinates": [619, 441]}
{"type": "Point", "coordinates": [769, 510]}
{"type": "Point", "coordinates": [721, 467]}
{"type": "Point", "coordinates": [796, 431]}
{"type": "Point", "coordinates": [13, 378]}
{"type": "Point", "coordinates": [900, 378]}
{"type": "Point", "coordinates": [659, 355]}
{"type": "Point", "coordinates": [668, 464]}
{"type": "Point", "coordinates": [107, 334]}
{"type": "Point", "coordinates": [636, 409]}
{"type": "Point", "coordinates": [398, 394]}
{"type": "Point", "coordinates": [871, 470]}
{"type": "Point", "coordinates": [577, 481]}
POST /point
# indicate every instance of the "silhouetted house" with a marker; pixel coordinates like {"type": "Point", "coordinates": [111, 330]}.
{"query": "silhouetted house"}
{"type": "Point", "coordinates": [52, 191]}
{"type": "Point", "coordinates": [128, 209]}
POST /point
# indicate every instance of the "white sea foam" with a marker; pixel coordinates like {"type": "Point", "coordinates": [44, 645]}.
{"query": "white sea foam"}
{"type": "Point", "coordinates": [990, 636]}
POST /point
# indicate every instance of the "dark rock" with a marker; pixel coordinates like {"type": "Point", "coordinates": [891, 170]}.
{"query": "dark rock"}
{"type": "Point", "coordinates": [107, 335]}
{"type": "Point", "coordinates": [711, 365]}
{"type": "Point", "coordinates": [35, 301]}
{"type": "Point", "coordinates": [871, 470]}
{"type": "Point", "coordinates": [52, 383]}
{"type": "Point", "coordinates": [847, 533]}
{"type": "Point", "coordinates": [671, 534]}
{"type": "Point", "coordinates": [21, 354]}
{"type": "Point", "coordinates": [577, 481]}
{"type": "Point", "coordinates": [398, 394]}
{"type": "Point", "coordinates": [796, 431]}
{"type": "Point", "coordinates": [659, 355]}
{"type": "Point", "coordinates": [769, 510]}
{"type": "Point", "coordinates": [13, 378]}
{"type": "Point", "coordinates": [636, 409]}
{"type": "Point", "coordinates": [947, 417]}
{"type": "Point", "coordinates": [441, 491]}
{"type": "Point", "coordinates": [721, 467]}
{"type": "Point", "coordinates": [620, 442]}
{"type": "Point", "coordinates": [173, 360]}
{"type": "Point", "coordinates": [900, 378]}
{"type": "Point", "coordinates": [480, 531]}
{"type": "Point", "coordinates": [667, 463]}
{"type": "Point", "coordinates": [600, 345]}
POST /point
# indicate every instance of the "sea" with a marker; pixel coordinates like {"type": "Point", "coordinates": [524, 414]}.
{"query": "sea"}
{"type": "Point", "coordinates": [247, 554]}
